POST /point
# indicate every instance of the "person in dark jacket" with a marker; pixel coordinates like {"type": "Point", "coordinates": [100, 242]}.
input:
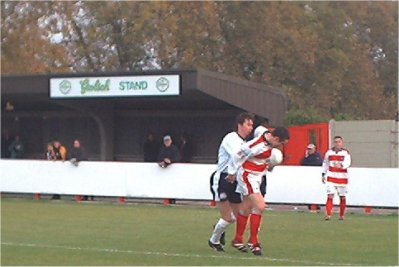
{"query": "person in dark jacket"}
{"type": "Point", "coordinates": [168, 153]}
{"type": "Point", "coordinates": [77, 153]}
{"type": "Point", "coordinates": [312, 157]}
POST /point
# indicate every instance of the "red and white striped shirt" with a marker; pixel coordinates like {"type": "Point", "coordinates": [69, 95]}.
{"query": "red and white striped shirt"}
{"type": "Point", "coordinates": [253, 156]}
{"type": "Point", "coordinates": [335, 166]}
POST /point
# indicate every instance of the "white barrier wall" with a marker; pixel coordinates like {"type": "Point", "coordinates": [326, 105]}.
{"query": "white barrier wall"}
{"type": "Point", "coordinates": [286, 184]}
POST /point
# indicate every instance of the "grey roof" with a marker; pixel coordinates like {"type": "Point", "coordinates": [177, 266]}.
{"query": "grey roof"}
{"type": "Point", "coordinates": [257, 98]}
{"type": "Point", "coordinates": [201, 89]}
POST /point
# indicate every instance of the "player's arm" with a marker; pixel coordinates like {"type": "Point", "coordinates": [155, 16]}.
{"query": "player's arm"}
{"type": "Point", "coordinates": [237, 160]}
{"type": "Point", "coordinates": [324, 167]}
{"type": "Point", "coordinates": [346, 163]}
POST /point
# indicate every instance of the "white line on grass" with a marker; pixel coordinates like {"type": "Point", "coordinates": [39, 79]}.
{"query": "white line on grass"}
{"type": "Point", "coordinates": [168, 254]}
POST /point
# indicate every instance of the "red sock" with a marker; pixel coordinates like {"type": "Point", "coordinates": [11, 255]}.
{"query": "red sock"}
{"type": "Point", "coordinates": [240, 227]}
{"type": "Point", "coordinates": [256, 220]}
{"type": "Point", "coordinates": [329, 206]}
{"type": "Point", "coordinates": [342, 206]}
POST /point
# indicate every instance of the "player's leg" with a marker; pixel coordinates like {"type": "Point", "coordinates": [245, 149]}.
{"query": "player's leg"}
{"type": "Point", "coordinates": [252, 207]}
{"type": "Point", "coordinates": [241, 224]}
{"type": "Point", "coordinates": [221, 226]}
{"type": "Point", "coordinates": [329, 203]}
{"type": "Point", "coordinates": [258, 207]}
{"type": "Point", "coordinates": [342, 201]}
{"type": "Point", "coordinates": [226, 213]}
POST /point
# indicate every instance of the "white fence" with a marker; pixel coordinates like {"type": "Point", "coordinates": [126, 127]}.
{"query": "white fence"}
{"type": "Point", "coordinates": [286, 184]}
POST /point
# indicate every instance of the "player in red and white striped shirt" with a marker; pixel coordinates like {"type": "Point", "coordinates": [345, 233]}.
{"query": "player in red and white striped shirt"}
{"type": "Point", "coordinates": [335, 175]}
{"type": "Point", "coordinates": [247, 167]}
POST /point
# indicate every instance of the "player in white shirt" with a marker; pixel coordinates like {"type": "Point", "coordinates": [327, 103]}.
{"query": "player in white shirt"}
{"type": "Point", "coordinates": [224, 192]}
{"type": "Point", "coordinates": [336, 162]}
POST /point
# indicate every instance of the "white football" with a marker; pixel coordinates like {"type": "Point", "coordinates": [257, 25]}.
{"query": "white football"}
{"type": "Point", "coordinates": [276, 157]}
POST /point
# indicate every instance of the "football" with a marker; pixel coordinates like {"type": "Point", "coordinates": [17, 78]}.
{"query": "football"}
{"type": "Point", "coordinates": [276, 157]}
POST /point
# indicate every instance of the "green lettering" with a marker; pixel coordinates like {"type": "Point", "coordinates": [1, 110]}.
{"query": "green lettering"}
{"type": "Point", "coordinates": [122, 85]}
{"type": "Point", "coordinates": [85, 86]}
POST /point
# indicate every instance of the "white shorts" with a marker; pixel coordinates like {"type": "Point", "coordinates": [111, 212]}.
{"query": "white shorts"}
{"type": "Point", "coordinates": [331, 188]}
{"type": "Point", "coordinates": [248, 182]}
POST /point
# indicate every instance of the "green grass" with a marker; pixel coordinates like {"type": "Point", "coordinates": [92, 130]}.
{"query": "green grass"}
{"type": "Point", "coordinates": [68, 233]}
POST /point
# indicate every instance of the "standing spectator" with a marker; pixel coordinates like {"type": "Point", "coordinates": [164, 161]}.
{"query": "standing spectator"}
{"type": "Point", "coordinates": [16, 148]}
{"type": "Point", "coordinates": [336, 162]}
{"type": "Point", "coordinates": [168, 153]}
{"type": "Point", "coordinates": [50, 153]}
{"type": "Point", "coordinates": [151, 149]}
{"type": "Point", "coordinates": [186, 149]}
{"type": "Point", "coordinates": [224, 193]}
{"type": "Point", "coordinates": [312, 157]}
{"type": "Point", "coordinates": [60, 154]}
{"type": "Point", "coordinates": [60, 151]}
{"type": "Point", "coordinates": [77, 153]}
{"type": "Point", "coordinates": [247, 168]}
{"type": "Point", "coordinates": [5, 144]}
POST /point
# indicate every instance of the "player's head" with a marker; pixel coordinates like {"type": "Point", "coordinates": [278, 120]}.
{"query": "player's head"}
{"type": "Point", "coordinates": [338, 142]}
{"type": "Point", "coordinates": [262, 121]}
{"type": "Point", "coordinates": [278, 136]}
{"type": "Point", "coordinates": [245, 124]}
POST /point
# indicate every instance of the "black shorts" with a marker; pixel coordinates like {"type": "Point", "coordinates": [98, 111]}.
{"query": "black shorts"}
{"type": "Point", "coordinates": [226, 191]}
{"type": "Point", "coordinates": [263, 185]}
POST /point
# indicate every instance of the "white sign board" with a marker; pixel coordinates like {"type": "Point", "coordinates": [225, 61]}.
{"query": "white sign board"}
{"type": "Point", "coordinates": [118, 86]}
{"type": "Point", "coordinates": [286, 184]}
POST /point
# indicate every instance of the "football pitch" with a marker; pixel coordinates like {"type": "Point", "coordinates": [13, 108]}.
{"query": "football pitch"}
{"type": "Point", "coordinates": [44, 232]}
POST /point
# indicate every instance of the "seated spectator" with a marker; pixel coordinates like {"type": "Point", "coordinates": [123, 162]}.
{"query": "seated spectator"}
{"type": "Point", "coordinates": [168, 153]}
{"type": "Point", "coordinates": [16, 148]}
{"type": "Point", "coordinates": [312, 157]}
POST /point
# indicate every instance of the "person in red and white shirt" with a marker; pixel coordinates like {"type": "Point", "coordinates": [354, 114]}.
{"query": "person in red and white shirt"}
{"type": "Point", "coordinates": [336, 162]}
{"type": "Point", "coordinates": [247, 167]}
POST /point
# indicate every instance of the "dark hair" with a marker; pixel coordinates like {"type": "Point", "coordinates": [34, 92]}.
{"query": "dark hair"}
{"type": "Point", "coordinates": [262, 121]}
{"type": "Point", "coordinates": [240, 119]}
{"type": "Point", "coordinates": [338, 136]}
{"type": "Point", "coordinates": [282, 133]}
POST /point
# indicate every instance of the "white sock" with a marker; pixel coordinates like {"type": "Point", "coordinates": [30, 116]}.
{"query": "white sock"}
{"type": "Point", "coordinates": [220, 227]}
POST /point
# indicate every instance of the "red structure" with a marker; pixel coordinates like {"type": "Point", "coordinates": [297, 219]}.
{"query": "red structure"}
{"type": "Point", "coordinates": [303, 135]}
